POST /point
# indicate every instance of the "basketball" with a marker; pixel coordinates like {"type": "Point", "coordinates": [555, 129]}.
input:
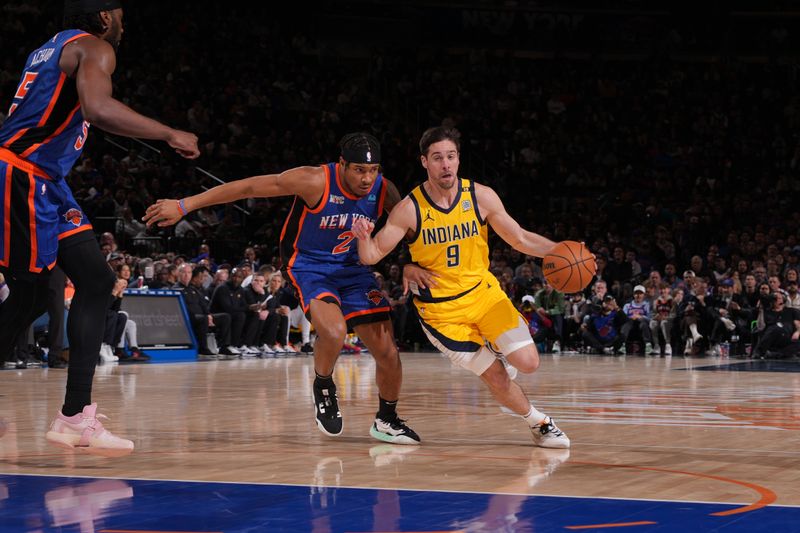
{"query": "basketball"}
{"type": "Point", "coordinates": [569, 267]}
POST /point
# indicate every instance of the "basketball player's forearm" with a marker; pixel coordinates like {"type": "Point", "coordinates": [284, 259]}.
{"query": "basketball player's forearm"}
{"type": "Point", "coordinates": [117, 118]}
{"type": "Point", "coordinates": [221, 194]}
{"type": "Point", "coordinates": [369, 252]}
{"type": "Point", "coordinates": [534, 244]}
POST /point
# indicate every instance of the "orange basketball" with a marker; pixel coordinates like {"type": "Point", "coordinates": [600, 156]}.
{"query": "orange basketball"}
{"type": "Point", "coordinates": [569, 267]}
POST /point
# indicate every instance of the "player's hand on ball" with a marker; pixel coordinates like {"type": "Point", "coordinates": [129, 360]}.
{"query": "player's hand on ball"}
{"type": "Point", "coordinates": [163, 213]}
{"type": "Point", "coordinates": [362, 228]}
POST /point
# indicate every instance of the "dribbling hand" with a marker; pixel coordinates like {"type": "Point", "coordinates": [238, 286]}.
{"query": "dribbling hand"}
{"type": "Point", "coordinates": [162, 213]}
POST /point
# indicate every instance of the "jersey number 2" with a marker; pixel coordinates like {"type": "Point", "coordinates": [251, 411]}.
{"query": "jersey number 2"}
{"type": "Point", "coordinates": [343, 247]}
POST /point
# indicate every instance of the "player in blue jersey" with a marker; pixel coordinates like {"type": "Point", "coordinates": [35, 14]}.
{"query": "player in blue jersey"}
{"type": "Point", "coordinates": [321, 260]}
{"type": "Point", "coordinates": [65, 87]}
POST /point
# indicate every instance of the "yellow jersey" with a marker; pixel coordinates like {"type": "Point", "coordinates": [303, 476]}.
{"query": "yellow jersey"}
{"type": "Point", "coordinates": [451, 242]}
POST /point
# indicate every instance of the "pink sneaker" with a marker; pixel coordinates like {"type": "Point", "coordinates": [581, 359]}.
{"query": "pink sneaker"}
{"type": "Point", "coordinates": [85, 433]}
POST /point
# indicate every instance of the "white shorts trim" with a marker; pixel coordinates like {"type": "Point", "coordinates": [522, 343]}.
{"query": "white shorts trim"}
{"type": "Point", "coordinates": [476, 362]}
{"type": "Point", "coordinates": [514, 339]}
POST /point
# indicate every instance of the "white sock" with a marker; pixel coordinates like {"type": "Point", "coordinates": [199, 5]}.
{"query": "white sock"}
{"type": "Point", "coordinates": [534, 417]}
{"type": "Point", "coordinates": [693, 329]}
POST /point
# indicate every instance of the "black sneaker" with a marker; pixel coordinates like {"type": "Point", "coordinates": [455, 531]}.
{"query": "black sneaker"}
{"type": "Point", "coordinates": [326, 409]}
{"type": "Point", "coordinates": [393, 430]}
{"type": "Point", "coordinates": [307, 348]}
{"type": "Point", "coordinates": [56, 362]}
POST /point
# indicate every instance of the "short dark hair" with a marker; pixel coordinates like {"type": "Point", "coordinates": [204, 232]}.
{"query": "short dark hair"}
{"type": "Point", "coordinates": [438, 134]}
{"type": "Point", "coordinates": [198, 270]}
{"type": "Point", "coordinates": [88, 22]}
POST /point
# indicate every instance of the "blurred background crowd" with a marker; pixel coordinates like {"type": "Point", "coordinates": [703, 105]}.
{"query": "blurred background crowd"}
{"type": "Point", "coordinates": [664, 137]}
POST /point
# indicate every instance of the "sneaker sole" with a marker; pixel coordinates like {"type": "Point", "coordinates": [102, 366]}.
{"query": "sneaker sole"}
{"type": "Point", "coordinates": [555, 445]}
{"type": "Point", "coordinates": [393, 439]}
{"type": "Point", "coordinates": [325, 431]}
{"type": "Point", "coordinates": [70, 442]}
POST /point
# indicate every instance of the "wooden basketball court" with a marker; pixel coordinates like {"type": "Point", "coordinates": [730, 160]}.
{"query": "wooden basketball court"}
{"type": "Point", "coordinates": [658, 444]}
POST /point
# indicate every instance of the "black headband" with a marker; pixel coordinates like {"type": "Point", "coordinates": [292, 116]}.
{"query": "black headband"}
{"type": "Point", "coordinates": [370, 155]}
{"type": "Point", "coordinates": [82, 7]}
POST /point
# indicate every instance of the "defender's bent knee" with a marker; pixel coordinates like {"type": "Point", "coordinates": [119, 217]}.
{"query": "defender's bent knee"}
{"type": "Point", "coordinates": [335, 332]}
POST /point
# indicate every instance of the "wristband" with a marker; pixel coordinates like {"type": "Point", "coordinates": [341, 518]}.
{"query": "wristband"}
{"type": "Point", "coordinates": [182, 208]}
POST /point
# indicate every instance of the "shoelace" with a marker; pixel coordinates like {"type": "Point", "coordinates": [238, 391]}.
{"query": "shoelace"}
{"type": "Point", "coordinates": [93, 423]}
{"type": "Point", "coordinates": [397, 423]}
{"type": "Point", "coordinates": [544, 429]}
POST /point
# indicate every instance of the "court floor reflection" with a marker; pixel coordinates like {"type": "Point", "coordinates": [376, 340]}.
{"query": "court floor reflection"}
{"type": "Point", "coordinates": [47, 503]}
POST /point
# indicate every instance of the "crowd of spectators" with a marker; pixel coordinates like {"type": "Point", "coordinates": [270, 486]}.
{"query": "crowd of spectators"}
{"type": "Point", "coordinates": [662, 165]}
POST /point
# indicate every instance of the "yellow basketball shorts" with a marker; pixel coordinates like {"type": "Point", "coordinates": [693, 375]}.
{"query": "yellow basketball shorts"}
{"type": "Point", "coordinates": [460, 328]}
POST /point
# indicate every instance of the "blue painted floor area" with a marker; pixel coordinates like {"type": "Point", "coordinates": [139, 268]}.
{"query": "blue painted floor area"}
{"type": "Point", "coordinates": [45, 503]}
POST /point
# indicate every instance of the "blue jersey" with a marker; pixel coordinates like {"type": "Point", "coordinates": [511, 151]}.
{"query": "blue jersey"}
{"type": "Point", "coordinates": [604, 324]}
{"type": "Point", "coordinates": [45, 125]}
{"type": "Point", "coordinates": [319, 237]}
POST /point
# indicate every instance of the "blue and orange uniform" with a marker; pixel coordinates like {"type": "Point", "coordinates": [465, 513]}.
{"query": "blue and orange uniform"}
{"type": "Point", "coordinates": [320, 251]}
{"type": "Point", "coordinates": [40, 141]}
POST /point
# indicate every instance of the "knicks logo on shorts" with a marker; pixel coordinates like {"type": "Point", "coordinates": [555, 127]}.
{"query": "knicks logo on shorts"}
{"type": "Point", "coordinates": [374, 296]}
{"type": "Point", "coordinates": [75, 216]}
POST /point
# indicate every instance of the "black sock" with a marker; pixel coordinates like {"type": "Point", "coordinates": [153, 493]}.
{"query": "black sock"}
{"type": "Point", "coordinates": [386, 410]}
{"type": "Point", "coordinates": [324, 382]}
{"type": "Point", "coordinates": [79, 394]}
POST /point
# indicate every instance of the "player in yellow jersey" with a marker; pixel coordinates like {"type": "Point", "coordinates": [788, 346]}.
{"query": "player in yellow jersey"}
{"type": "Point", "coordinates": [463, 310]}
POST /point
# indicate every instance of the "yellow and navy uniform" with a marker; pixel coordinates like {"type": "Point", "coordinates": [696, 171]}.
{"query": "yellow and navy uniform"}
{"type": "Point", "coordinates": [452, 242]}
{"type": "Point", "coordinates": [467, 307]}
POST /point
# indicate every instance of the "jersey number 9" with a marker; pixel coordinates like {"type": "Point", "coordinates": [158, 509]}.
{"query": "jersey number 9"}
{"type": "Point", "coordinates": [453, 254]}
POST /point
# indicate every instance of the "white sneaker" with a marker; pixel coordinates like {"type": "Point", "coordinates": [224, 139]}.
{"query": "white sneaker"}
{"type": "Point", "coordinates": [266, 351]}
{"type": "Point", "coordinates": [547, 435]}
{"type": "Point", "coordinates": [668, 350]}
{"type": "Point", "coordinates": [394, 431]}
{"type": "Point", "coordinates": [688, 349]}
{"type": "Point", "coordinates": [107, 354]}
{"type": "Point", "coordinates": [85, 433]}
{"type": "Point", "coordinates": [234, 350]}
{"type": "Point", "coordinates": [277, 349]}
{"type": "Point", "coordinates": [556, 347]}
{"type": "Point", "coordinates": [288, 348]}
{"type": "Point", "coordinates": [247, 351]}
{"type": "Point", "coordinates": [649, 349]}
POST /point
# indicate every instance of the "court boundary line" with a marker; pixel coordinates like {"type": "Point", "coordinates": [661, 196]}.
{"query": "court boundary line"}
{"type": "Point", "coordinates": [264, 483]}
